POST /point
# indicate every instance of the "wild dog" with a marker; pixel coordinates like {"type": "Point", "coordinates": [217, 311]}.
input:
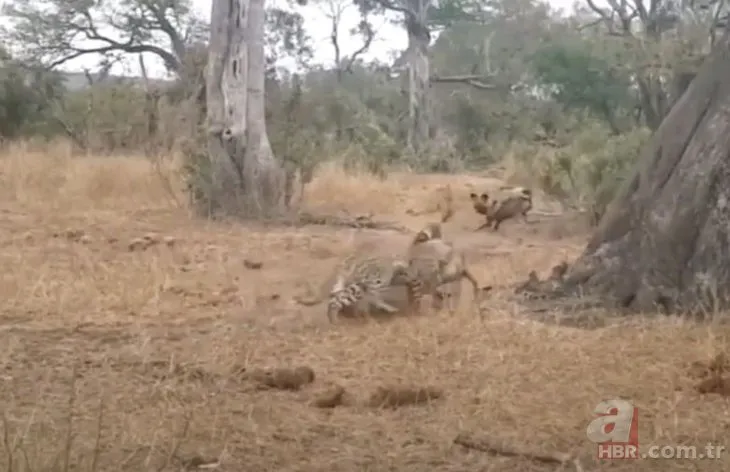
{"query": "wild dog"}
{"type": "Point", "coordinates": [434, 262]}
{"type": "Point", "coordinates": [525, 194]}
{"type": "Point", "coordinates": [513, 203]}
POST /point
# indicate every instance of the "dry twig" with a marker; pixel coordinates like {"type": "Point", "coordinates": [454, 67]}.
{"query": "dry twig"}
{"type": "Point", "coordinates": [503, 448]}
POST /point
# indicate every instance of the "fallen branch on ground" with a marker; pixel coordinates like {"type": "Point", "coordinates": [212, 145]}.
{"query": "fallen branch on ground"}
{"type": "Point", "coordinates": [360, 222]}
{"type": "Point", "coordinates": [502, 448]}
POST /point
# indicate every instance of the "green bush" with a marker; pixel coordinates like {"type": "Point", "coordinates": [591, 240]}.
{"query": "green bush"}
{"type": "Point", "coordinates": [589, 171]}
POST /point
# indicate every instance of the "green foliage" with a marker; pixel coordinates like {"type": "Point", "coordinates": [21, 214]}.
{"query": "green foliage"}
{"type": "Point", "coordinates": [106, 117]}
{"type": "Point", "coordinates": [579, 80]}
{"type": "Point", "coordinates": [589, 172]}
{"type": "Point", "coordinates": [286, 38]}
{"type": "Point", "coordinates": [24, 95]}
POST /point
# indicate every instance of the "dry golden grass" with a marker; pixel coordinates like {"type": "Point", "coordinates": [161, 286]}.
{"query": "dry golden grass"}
{"type": "Point", "coordinates": [146, 347]}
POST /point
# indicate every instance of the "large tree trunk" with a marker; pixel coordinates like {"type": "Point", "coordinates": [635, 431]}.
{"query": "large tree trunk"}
{"type": "Point", "coordinates": [246, 179]}
{"type": "Point", "coordinates": [665, 240]}
{"type": "Point", "coordinates": [418, 75]}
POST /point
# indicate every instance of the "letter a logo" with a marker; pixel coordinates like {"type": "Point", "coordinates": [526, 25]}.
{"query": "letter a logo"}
{"type": "Point", "coordinates": [617, 422]}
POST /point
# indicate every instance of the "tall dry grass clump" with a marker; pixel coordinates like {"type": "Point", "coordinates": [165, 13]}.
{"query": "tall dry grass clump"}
{"type": "Point", "coordinates": [53, 178]}
{"type": "Point", "coordinates": [335, 189]}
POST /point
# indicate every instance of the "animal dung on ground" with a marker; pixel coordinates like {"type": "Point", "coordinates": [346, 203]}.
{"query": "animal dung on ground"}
{"type": "Point", "coordinates": [138, 244]}
{"type": "Point", "coordinates": [253, 265]}
{"type": "Point", "coordinates": [282, 378]}
{"type": "Point", "coordinates": [717, 366]}
{"type": "Point", "coordinates": [397, 396]}
{"type": "Point", "coordinates": [74, 235]}
{"type": "Point", "coordinates": [147, 241]}
{"type": "Point", "coordinates": [143, 243]}
{"type": "Point", "coordinates": [715, 384]}
{"type": "Point", "coordinates": [330, 398]}
{"type": "Point", "coordinates": [152, 238]}
{"type": "Point", "coordinates": [711, 373]}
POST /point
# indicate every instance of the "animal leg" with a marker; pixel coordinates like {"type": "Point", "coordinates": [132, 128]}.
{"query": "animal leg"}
{"type": "Point", "coordinates": [464, 274]}
{"type": "Point", "coordinates": [455, 298]}
{"type": "Point", "coordinates": [474, 284]}
{"type": "Point", "coordinates": [377, 301]}
{"type": "Point", "coordinates": [415, 291]}
{"type": "Point", "coordinates": [437, 300]}
{"type": "Point", "coordinates": [334, 306]}
{"type": "Point", "coordinates": [485, 225]}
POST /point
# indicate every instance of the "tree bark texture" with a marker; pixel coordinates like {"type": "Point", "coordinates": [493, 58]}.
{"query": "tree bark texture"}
{"type": "Point", "coordinates": [246, 178]}
{"type": "Point", "coordinates": [418, 75]}
{"type": "Point", "coordinates": [664, 241]}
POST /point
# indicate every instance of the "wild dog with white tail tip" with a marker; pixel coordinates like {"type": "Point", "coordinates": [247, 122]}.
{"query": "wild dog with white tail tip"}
{"type": "Point", "coordinates": [525, 194]}
{"type": "Point", "coordinates": [515, 201]}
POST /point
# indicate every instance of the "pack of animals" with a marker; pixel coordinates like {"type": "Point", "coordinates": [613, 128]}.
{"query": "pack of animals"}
{"type": "Point", "coordinates": [359, 282]}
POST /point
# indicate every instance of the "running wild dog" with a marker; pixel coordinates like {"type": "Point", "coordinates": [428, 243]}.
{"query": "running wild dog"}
{"type": "Point", "coordinates": [517, 201]}
{"type": "Point", "coordinates": [523, 193]}
{"type": "Point", "coordinates": [434, 262]}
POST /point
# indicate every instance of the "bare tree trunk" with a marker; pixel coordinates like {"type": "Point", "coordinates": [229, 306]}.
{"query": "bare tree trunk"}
{"type": "Point", "coordinates": [418, 75]}
{"type": "Point", "coordinates": [263, 172]}
{"type": "Point", "coordinates": [665, 241]}
{"type": "Point", "coordinates": [246, 180]}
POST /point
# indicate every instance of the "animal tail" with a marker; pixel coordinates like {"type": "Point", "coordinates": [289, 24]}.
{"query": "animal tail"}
{"type": "Point", "coordinates": [342, 299]}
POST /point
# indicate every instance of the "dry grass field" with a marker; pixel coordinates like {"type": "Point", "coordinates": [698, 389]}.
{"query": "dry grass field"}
{"type": "Point", "coordinates": [131, 358]}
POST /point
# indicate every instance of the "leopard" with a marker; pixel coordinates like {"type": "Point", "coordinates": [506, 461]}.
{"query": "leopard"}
{"type": "Point", "coordinates": [367, 277]}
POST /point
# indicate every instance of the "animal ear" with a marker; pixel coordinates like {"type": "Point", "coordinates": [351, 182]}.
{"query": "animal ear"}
{"type": "Point", "coordinates": [473, 195]}
{"type": "Point", "coordinates": [485, 197]}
